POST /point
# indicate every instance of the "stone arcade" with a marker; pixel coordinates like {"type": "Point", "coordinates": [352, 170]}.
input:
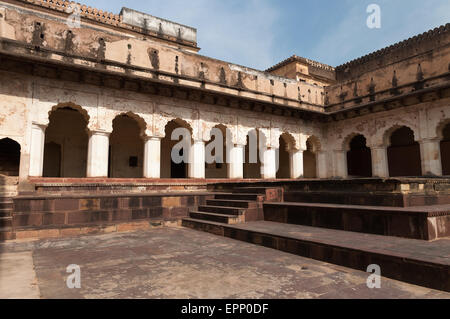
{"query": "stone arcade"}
{"type": "Point", "coordinates": [87, 114]}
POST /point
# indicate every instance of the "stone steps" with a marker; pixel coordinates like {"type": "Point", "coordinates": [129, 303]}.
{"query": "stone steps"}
{"type": "Point", "coordinates": [250, 190]}
{"type": "Point", "coordinates": [6, 222]}
{"type": "Point", "coordinates": [234, 211]}
{"type": "Point", "coordinates": [229, 208]}
{"type": "Point", "coordinates": [408, 260]}
{"type": "Point", "coordinates": [219, 218]}
{"type": "Point", "coordinates": [235, 196]}
{"type": "Point", "coordinates": [6, 233]}
{"type": "Point", "coordinates": [231, 203]}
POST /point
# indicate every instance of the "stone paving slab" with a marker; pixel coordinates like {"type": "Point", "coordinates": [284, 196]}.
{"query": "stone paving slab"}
{"type": "Point", "coordinates": [183, 263]}
{"type": "Point", "coordinates": [17, 276]}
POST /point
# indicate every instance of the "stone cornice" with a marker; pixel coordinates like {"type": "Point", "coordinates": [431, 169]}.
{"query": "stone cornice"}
{"type": "Point", "coordinates": [50, 63]}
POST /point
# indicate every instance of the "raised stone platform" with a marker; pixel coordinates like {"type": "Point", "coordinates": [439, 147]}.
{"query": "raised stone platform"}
{"type": "Point", "coordinates": [425, 222]}
{"type": "Point", "coordinates": [45, 215]}
{"type": "Point", "coordinates": [418, 262]}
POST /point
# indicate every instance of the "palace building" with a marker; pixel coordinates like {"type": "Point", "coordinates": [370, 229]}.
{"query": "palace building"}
{"type": "Point", "coordinates": [89, 101]}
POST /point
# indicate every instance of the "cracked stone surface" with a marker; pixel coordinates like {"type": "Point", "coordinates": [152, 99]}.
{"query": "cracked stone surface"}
{"type": "Point", "coordinates": [179, 263]}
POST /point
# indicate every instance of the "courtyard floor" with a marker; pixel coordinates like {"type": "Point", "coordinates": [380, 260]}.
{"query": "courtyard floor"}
{"type": "Point", "coordinates": [179, 263]}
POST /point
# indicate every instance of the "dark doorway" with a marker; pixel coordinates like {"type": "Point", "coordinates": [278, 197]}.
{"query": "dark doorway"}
{"type": "Point", "coordinates": [445, 150]}
{"type": "Point", "coordinates": [52, 160]}
{"type": "Point", "coordinates": [9, 157]}
{"type": "Point", "coordinates": [170, 169]}
{"type": "Point", "coordinates": [252, 164]}
{"type": "Point", "coordinates": [359, 158]}
{"type": "Point", "coordinates": [284, 169]}
{"type": "Point", "coordinates": [309, 159]}
{"type": "Point", "coordinates": [178, 170]}
{"type": "Point", "coordinates": [404, 154]}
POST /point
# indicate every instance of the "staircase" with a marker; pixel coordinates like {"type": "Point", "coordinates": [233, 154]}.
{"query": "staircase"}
{"type": "Point", "coordinates": [232, 207]}
{"type": "Point", "coordinates": [407, 239]}
{"type": "Point", "coordinates": [8, 190]}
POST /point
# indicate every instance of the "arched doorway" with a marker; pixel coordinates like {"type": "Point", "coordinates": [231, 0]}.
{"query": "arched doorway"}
{"type": "Point", "coordinates": [404, 154]}
{"type": "Point", "coordinates": [445, 150]}
{"type": "Point", "coordinates": [126, 148]}
{"type": "Point", "coordinates": [252, 164]}
{"type": "Point", "coordinates": [286, 145]}
{"type": "Point", "coordinates": [66, 144]}
{"type": "Point", "coordinates": [216, 147]}
{"type": "Point", "coordinates": [359, 158]}
{"type": "Point", "coordinates": [310, 158]}
{"type": "Point", "coordinates": [9, 157]}
{"type": "Point", "coordinates": [169, 167]}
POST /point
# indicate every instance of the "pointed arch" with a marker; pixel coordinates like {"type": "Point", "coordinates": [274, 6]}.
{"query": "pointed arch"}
{"type": "Point", "coordinates": [404, 156]}
{"type": "Point", "coordinates": [359, 156]}
{"type": "Point", "coordinates": [66, 142]}
{"type": "Point", "coordinates": [310, 165]}
{"type": "Point", "coordinates": [287, 145]}
{"type": "Point", "coordinates": [126, 146]}
{"type": "Point", "coordinates": [219, 168]}
{"type": "Point", "coordinates": [69, 105]}
{"type": "Point", "coordinates": [169, 167]}
{"type": "Point", "coordinates": [142, 124]}
{"type": "Point", "coordinates": [252, 160]}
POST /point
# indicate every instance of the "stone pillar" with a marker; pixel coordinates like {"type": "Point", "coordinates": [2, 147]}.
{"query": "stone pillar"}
{"type": "Point", "coordinates": [321, 165]}
{"type": "Point", "coordinates": [296, 163]}
{"type": "Point", "coordinates": [197, 160]}
{"type": "Point", "coordinates": [236, 165]}
{"type": "Point", "coordinates": [430, 151]}
{"type": "Point", "coordinates": [152, 157]}
{"type": "Point", "coordinates": [98, 154]}
{"type": "Point", "coordinates": [340, 164]}
{"type": "Point", "coordinates": [269, 164]}
{"type": "Point", "coordinates": [380, 164]}
{"type": "Point", "coordinates": [37, 150]}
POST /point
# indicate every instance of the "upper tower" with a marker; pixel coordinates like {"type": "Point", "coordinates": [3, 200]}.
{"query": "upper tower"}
{"type": "Point", "coordinates": [305, 70]}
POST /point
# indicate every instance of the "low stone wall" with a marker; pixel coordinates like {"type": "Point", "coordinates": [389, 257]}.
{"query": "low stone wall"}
{"type": "Point", "coordinates": [51, 212]}
{"type": "Point", "coordinates": [402, 185]}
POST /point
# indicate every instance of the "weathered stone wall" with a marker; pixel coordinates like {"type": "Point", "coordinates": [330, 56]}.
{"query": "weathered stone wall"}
{"type": "Point", "coordinates": [414, 64]}
{"type": "Point", "coordinates": [51, 33]}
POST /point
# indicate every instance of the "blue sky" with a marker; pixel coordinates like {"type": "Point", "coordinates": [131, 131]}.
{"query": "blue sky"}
{"type": "Point", "coordinates": [261, 33]}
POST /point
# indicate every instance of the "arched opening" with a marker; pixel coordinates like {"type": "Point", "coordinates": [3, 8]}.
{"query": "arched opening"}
{"type": "Point", "coordinates": [310, 158]}
{"type": "Point", "coordinates": [9, 157]}
{"type": "Point", "coordinates": [359, 158]}
{"type": "Point", "coordinates": [445, 150]}
{"type": "Point", "coordinates": [252, 164]}
{"type": "Point", "coordinates": [216, 147]}
{"type": "Point", "coordinates": [404, 154]}
{"type": "Point", "coordinates": [66, 144]}
{"type": "Point", "coordinates": [126, 148]}
{"type": "Point", "coordinates": [170, 167]}
{"type": "Point", "coordinates": [284, 169]}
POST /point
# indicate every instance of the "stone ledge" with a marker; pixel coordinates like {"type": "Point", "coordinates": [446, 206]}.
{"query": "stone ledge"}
{"type": "Point", "coordinates": [64, 232]}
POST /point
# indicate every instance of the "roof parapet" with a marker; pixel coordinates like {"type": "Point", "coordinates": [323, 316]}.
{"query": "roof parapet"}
{"type": "Point", "coordinates": [296, 58]}
{"type": "Point", "coordinates": [158, 25]}
{"type": "Point", "coordinates": [397, 46]}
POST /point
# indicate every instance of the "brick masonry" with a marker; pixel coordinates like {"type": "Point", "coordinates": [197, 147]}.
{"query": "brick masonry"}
{"type": "Point", "coordinates": [47, 217]}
